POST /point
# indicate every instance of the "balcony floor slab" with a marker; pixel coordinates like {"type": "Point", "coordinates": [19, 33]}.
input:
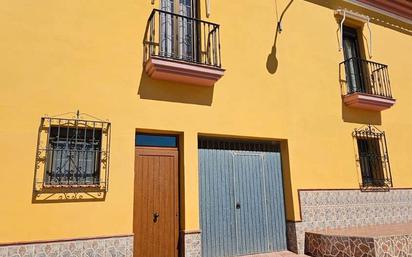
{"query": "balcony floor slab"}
{"type": "Point", "coordinates": [368, 101]}
{"type": "Point", "coordinates": [182, 72]}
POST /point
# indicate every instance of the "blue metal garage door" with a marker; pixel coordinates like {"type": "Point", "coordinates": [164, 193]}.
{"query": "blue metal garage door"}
{"type": "Point", "coordinates": [241, 198]}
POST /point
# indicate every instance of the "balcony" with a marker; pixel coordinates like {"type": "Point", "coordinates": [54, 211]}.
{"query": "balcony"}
{"type": "Point", "coordinates": [182, 49]}
{"type": "Point", "coordinates": [365, 85]}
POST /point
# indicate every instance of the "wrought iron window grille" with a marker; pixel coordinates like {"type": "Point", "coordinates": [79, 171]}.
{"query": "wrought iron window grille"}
{"type": "Point", "coordinates": [373, 158]}
{"type": "Point", "coordinates": [72, 153]}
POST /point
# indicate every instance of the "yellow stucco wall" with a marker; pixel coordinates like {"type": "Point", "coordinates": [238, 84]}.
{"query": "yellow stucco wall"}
{"type": "Point", "coordinates": [59, 56]}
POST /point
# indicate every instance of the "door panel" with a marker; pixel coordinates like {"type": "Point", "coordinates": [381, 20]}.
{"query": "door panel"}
{"type": "Point", "coordinates": [217, 203]}
{"type": "Point", "coordinates": [275, 203]}
{"type": "Point", "coordinates": [186, 30]}
{"type": "Point", "coordinates": [253, 181]}
{"type": "Point", "coordinates": [167, 30]}
{"type": "Point", "coordinates": [178, 33]}
{"type": "Point", "coordinates": [156, 219]}
{"type": "Point", "coordinates": [250, 197]}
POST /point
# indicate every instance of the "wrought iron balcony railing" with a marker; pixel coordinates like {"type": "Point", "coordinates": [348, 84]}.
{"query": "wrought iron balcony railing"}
{"type": "Point", "coordinates": [174, 36]}
{"type": "Point", "coordinates": [362, 76]}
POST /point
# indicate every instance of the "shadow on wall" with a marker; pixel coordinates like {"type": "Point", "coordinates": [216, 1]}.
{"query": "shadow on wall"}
{"type": "Point", "coordinates": [174, 92]}
{"type": "Point", "coordinates": [359, 116]}
{"type": "Point", "coordinates": [272, 60]}
{"type": "Point", "coordinates": [356, 168]}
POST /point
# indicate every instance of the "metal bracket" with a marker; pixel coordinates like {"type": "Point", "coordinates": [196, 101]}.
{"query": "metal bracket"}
{"type": "Point", "coordinates": [354, 16]}
{"type": "Point", "coordinates": [208, 8]}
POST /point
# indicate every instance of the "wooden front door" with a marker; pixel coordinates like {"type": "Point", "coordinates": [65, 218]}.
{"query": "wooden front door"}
{"type": "Point", "coordinates": [156, 212]}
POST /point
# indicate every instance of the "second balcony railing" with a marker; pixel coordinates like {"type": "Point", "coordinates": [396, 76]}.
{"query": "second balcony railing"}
{"type": "Point", "coordinates": [178, 37]}
{"type": "Point", "coordinates": [362, 76]}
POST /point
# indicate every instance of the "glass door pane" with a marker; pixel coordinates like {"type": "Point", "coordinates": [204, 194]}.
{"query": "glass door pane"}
{"type": "Point", "coordinates": [167, 29]}
{"type": "Point", "coordinates": [178, 32]}
{"type": "Point", "coordinates": [353, 60]}
{"type": "Point", "coordinates": [186, 30]}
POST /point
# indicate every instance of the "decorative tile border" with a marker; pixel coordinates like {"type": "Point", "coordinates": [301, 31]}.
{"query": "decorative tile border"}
{"type": "Point", "coordinates": [100, 247]}
{"type": "Point", "coordinates": [394, 246]}
{"type": "Point", "coordinates": [323, 209]}
{"type": "Point", "coordinates": [192, 244]}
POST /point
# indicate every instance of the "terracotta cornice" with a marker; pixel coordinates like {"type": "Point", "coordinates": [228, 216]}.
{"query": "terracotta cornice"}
{"type": "Point", "coordinates": [400, 8]}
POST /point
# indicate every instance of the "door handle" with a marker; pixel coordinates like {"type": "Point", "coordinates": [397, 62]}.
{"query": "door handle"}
{"type": "Point", "coordinates": [238, 205]}
{"type": "Point", "coordinates": [155, 217]}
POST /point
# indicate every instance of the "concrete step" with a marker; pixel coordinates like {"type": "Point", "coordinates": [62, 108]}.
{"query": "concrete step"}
{"type": "Point", "coordinates": [277, 254]}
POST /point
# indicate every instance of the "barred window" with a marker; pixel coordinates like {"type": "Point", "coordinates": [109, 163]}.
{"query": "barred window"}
{"type": "Point", "coordinates": [73, 156]}
{"type": "Point", "coordinates": [72, 152]}
{"type": "Point", "coordinates": [373, 158]}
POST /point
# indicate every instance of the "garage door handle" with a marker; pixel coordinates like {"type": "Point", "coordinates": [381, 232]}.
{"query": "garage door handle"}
{"type": "Point", "coordinates": [237, 205]}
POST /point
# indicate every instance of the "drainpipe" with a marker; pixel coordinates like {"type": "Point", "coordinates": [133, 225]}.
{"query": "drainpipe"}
{"type": "Point", "coordinates": [341, 31]}
{"type": "Point", "coordinates": [370, 39]}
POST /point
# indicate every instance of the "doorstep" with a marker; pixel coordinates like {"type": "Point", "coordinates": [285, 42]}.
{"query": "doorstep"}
{"type": "Point", "coordinates": [391, 240]}
{"type": "Point", "coordinates": [276, 254]}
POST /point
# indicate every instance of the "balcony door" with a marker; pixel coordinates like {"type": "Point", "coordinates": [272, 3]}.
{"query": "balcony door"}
{"type": "Point", "coordinates": [178, 30]}
{"type": "Point", "coordinates": [156, 196]}
{"type": "Point", "coordinates": [354, 74]}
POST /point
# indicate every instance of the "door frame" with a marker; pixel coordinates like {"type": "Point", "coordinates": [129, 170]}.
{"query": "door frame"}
{"type": "Point", "coordinates": [177, 177]}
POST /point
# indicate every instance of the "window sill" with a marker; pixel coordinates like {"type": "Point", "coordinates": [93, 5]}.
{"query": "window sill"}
{"type": "Point", "coordinates": [81, 186]}
{"type": "Point", "coordinates": [375, 188]}
{"type": "Point", "coordinates": [95, 187]}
